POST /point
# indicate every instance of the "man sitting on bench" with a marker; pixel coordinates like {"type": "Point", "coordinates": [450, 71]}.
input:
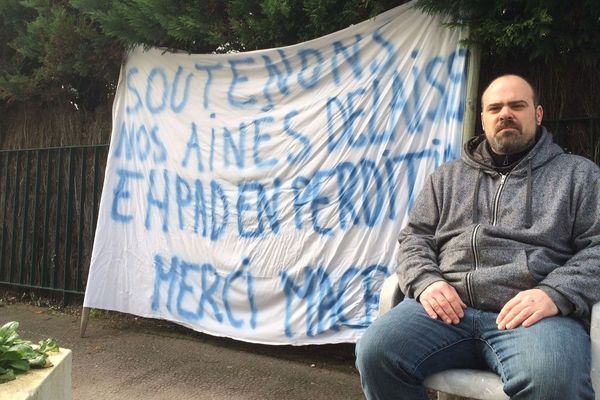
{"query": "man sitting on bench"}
{"type": "Point", "coordinates": [499, 263]}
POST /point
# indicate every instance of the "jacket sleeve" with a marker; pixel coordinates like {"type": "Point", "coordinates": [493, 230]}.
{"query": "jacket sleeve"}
{"type": "Point", "coordinates": [417, 264]}
{"type": "Point", "coordinates": [578, 281]}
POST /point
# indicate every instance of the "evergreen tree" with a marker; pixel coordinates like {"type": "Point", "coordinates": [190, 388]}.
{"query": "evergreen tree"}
{"type": "Point", "coordinates": [51, 51]}
{"type": "Point", "coordinates": [70, 50]}
{"type": "Point", "coordinates": [554, 31]}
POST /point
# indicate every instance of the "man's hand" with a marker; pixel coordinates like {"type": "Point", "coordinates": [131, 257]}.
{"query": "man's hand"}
{"type": "Point", "coordinates": [526, 308]}
{"type": "Point", "coordinates": [441, 300]}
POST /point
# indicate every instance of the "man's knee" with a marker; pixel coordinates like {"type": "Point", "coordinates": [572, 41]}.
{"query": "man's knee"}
{"type": "Point", "coordinates": [372, 348]}
{"type": "Point", "coordinates": [389, 345]}
{"type": "Point", "coordinates": [552, 377]}
{"type": "Point", "coordinates": [377, 356]}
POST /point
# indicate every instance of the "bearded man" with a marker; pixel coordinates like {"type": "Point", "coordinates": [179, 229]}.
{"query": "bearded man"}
{"type": "Point", "coordinates": [499, 264]}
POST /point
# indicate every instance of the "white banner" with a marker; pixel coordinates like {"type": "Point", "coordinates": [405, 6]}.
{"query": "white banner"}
{"type": "Point", "coordinates": [259, 195]}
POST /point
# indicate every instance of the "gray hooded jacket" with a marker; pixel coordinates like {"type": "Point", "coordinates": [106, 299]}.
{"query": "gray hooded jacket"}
{"type": "Point", "coordinates": [492, 236]}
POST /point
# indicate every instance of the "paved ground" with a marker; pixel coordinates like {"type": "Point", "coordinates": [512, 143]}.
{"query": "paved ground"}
{"type": "Point", "coordinates": [129, 358]}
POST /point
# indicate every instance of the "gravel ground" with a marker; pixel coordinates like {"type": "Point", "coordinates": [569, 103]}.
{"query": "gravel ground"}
{"type": "Point", "coordinates": [129, 358]}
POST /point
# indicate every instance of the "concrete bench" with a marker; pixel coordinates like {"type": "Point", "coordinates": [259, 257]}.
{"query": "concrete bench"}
{"type": "Point", "coordinates": [478, 384]}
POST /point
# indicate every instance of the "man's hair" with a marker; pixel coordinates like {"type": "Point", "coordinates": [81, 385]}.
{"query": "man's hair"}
{"type": "Point", "coordinates": [536, 97]}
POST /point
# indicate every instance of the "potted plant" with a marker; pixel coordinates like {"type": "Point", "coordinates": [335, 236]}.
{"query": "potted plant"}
{"type": "Point", "coordinates": [18, 355]}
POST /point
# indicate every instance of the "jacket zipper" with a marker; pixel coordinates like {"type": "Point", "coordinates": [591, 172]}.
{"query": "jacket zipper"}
{"type": "Point", "coordinates": [475, 261]}
{"type": "Point", "coordinates": [497, 199]}
{"type": "Point", "coordinates": [474, 235]}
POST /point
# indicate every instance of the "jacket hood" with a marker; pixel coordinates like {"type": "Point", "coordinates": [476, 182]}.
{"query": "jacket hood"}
{"type": "Point", "coordinates": [477, 155]}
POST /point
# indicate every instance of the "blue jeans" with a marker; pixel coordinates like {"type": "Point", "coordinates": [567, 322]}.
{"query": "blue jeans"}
{"type": "Point", "coordinates": [549, 360]}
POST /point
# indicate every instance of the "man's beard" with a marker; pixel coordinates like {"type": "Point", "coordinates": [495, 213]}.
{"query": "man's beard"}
{"type": "Point", "coordinates": [510, 142]}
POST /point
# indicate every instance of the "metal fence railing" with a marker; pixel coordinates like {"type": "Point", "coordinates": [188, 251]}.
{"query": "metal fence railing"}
{"type": "Point", "coordinates": [48, 210]}
{"type": "Point", "coordinates": [49, 206]}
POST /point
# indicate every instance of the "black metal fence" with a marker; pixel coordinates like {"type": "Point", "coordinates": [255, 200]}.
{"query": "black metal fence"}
{"type": "Point", "coordinates": [49, 206]}
{"type": "Point", "coordinates": [48, 210]}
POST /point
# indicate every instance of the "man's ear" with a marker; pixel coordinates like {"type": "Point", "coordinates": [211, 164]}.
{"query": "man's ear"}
{"type": "Point", "coordinates": [539, 115]}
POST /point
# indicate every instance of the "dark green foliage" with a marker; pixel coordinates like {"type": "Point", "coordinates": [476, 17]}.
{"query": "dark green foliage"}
{"type": "Point", "coordinates": [217, 25]}
{"type": "Point", "coordinates": [50, 51]}
{"type": "Point", "coordinates": [18, 355]}
{"type": "Point", "coordinates": [272, 23]}
{"type": "Point", "coordinates": [556, 31]}
{"type": "Point", "coordinates": [194, 25]}
{"type": "Point", "coordinates": [69, 51]}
